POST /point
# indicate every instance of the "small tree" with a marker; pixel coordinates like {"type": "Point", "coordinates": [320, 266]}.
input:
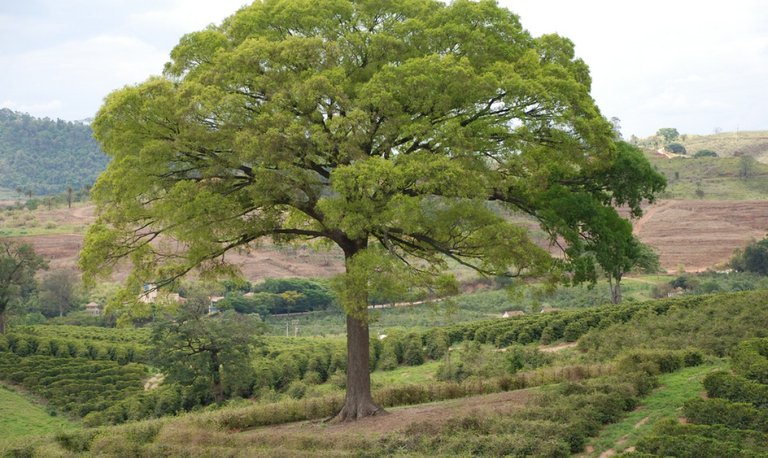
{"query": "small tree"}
{"type": "Point", "coordinates": [624, 255]}
{"type": "Point", "coordinates": [208, 353]}
{"type": "Point", "coordinates": [746, 167]}
{"type": "Point", "coordinates": [669, 134]}
{"type": "Point", "coordinates": [58, 292]}
{"type": "Point", "coordinates": [753, 258]}
{"type": "Point", "coordinates": [18, 265]}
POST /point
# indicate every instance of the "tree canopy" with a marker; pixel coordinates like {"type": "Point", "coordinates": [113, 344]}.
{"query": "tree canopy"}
{"type": "Point", "coordinates": [392, 130]}
{"type": "Point", "coordinates": [753, 258]}
{"type": "Point", "coordinates": [18, 264]}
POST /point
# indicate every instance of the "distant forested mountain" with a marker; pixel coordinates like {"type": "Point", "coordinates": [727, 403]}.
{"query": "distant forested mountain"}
{"type": "Point", "coordinates": [46, 156]}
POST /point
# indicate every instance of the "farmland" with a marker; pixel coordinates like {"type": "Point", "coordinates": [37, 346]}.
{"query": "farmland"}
{"type": "Point", "coordinates": [625, 370]}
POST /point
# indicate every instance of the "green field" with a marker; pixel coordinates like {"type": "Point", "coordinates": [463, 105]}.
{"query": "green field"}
{"type": "Point", "coordinates": [20, 417]}
{"type": "Point", "coordinates": [717, 178]}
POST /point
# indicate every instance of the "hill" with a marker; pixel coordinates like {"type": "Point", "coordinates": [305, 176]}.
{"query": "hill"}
{"type": "Point", "coordinates": [46, 156]}
{"type": "Point", "coordinates": [694, 234]}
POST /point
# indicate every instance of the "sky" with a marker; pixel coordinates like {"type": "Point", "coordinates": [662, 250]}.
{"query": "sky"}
{"type": "Point", "coordinates": [698, 66]}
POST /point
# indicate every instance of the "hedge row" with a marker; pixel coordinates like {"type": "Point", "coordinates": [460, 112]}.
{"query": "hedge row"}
{"type": "Point", "coordinates": [732, 422]}
{"type": "Point", "coordinates": [70, 347]}
{"type": "Point", "coordinates": [77, 386]}
{"type": "Point", "coordinates": [549, 327]}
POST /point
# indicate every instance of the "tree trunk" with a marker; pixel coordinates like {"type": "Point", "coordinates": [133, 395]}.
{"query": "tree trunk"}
{"type": "Point", "coordinates": [2, 322]}
{"type": "Point", "coordinates": [358, 402]}
{"type": "Point", "coordinates": [615, 290]}
{"type": "Point", "coordinates": [216, 387]}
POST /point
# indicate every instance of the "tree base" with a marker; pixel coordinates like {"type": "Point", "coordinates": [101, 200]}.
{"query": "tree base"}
{"type": "Point", "coordinates": [357, 411]}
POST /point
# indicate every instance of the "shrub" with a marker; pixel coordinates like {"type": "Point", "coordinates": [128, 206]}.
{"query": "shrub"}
{"type": "Point", "coordinates": [725, 385]}
{"type": "Point", "coordinates": [723, 412]}
{"type": "Point", "coordinates": [653, 361]}
{"type": "Point", "coordinates": [704, 153]}
{"type": "Point", "coordinates": [750, 359]}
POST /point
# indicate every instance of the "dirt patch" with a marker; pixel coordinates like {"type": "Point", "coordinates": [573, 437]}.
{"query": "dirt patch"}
{"type": "Point", "coordinates": [153, 382]}
{"type": "Point", "coordinates": [607, 453]}
{"type": "Point", "coordinates": [700, 234]}
{"type": "Point", "coordinates": [559, 347]}
{"type": "Point", "coordinates": [399, 419]}
{"type": "Point", "coordinates": [641, 422]}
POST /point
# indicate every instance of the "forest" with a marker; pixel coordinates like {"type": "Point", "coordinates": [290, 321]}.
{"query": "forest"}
{"type": "Point", "coordinates": [43, 156]}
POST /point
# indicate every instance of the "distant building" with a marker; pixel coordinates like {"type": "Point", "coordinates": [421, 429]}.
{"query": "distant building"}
{"type": "Point", "coordinates": [93, 309]}
{"type": "Point", "coordinates": [212, 308]}
{"type": "Point", "coordinates": [150, 294]}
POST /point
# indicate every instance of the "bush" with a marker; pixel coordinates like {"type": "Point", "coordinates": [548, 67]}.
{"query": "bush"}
{"type": "Point", "coordinates": [750, 359]}
{"type": "Point", "coordinates": [676, 148]}
{"type": "Point", "coordinates": [654, 361]}
{"type": "Point", "coordinates": [725, 385]}
{"type": "Point", "coordinates": [723, 412]}
{"type": "Point", "coordinates": [704, 153]}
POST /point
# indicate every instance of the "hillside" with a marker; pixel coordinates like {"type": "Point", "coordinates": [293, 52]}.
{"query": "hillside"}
{"type": "Point", "coordinates": [692, 234]}
{"type": "Point", "coordinates": [730, 144]}
{"type": "Point", "coordinates": [46, 156]}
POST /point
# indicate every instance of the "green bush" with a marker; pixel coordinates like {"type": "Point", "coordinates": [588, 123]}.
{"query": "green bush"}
{"type": "Point", "coordinates": [721, 384]}
{"type": "Point", "coordinates": [727, 413]}
{"type": "Point", "coordinates": [750, 359]}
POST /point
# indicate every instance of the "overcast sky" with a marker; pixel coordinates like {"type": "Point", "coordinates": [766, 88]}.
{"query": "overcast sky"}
{"type": "Point", "coordinates": [693, 65]}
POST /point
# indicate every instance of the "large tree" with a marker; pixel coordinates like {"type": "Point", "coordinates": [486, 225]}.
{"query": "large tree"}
{"type": "Point", "coordinates": [400, 131]}
{"type": "Point", "coordinates": [18, 264]}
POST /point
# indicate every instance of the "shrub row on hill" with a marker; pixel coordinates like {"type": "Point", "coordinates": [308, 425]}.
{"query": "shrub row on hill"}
{"type": "Point", "coordinates": [77, 386]}
{"type": "Point", "coordinates": [733, 421]}
{"type": "Point", "coordinates": [97, 333]}
{"type": "Point", "coordinates": [24, 344]}
{"type": "Point", "coordinates": [549, 327]}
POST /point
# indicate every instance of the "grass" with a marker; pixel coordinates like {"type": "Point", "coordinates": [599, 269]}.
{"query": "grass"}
{"type": "Point", "coordinates": [424, 373]}
{"type": "Point", "coordinates": [20, 417]}
{"type": "Point", "coordinates": [27, 231]}
{"type": "Point", "coordinates": [664, 402]}
{"type": "Point", "coordinates": [718, 179]}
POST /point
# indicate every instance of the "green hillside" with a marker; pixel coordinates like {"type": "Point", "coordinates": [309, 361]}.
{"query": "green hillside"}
{"type": "Point", "coordinates": [20, 417]}
{"type": "Point", "coordinates": [46, 156]}
{"type": "Point", "coordinates": [721, 178]}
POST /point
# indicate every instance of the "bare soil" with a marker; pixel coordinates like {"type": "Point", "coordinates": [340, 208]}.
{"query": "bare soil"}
{"type": "Point", "coordinates": [700, 234]}
{"type": "Point", "coordinates": [690, 234]}
{"type": "Point", "coordinates": [399, 419]}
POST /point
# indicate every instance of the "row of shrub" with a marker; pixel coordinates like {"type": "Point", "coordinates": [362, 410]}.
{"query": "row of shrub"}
{"type": "Point", "coordinates": [76, 386]}
{"type": "Point", "coordinates": [143, 438]}
{"type": "Point", "coordinates": [732, 421]}
{"type": "Point", "coordinates": [26, 344]}
{"type": "Point", "coordinates": [546, 328]}
{"type": "Point", "coordinates": [98, 333]}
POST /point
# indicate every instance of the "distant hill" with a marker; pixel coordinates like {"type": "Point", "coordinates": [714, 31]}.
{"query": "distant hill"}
{"type": "Point", "coordinates": [739, 172]}
{"type": "Point", "coordinates": [46, 156]}
{"type": "Point", "coordinates": [729, 144]}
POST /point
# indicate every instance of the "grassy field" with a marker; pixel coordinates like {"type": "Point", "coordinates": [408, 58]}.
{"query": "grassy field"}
{"type": "Point", "coordinates": [716, 178]}
{"type": "Point", "coordinates": [20, 417]}
{"type": "Point", "coordinates": [726, 144]}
